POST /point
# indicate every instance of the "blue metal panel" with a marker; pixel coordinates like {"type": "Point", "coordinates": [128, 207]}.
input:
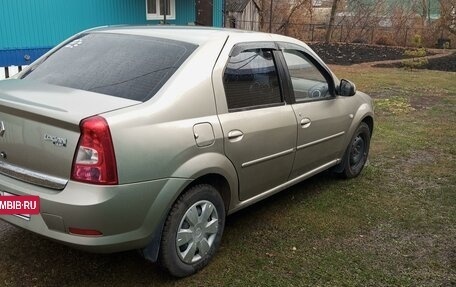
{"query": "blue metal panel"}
{"type": "Point", "coordinates": [185, 12]}
{"type": "Point", "coordinates": [31, 27]}
{"type": "Point", "coordinates": [44, 23]}
{"type": "Point", "coordinates": [20, 57]}
{"type": "Point", "coordinates": [217, 20]}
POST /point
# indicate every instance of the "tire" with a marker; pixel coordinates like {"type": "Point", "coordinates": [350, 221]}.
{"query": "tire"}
{"type": "Point", "coordinates": [199, 217]}
{"type": "Point", "coordinates": [356, 154]}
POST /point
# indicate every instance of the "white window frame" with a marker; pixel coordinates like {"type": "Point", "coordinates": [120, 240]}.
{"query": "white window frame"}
{"type": "Point", "coordinates": [158, 16]}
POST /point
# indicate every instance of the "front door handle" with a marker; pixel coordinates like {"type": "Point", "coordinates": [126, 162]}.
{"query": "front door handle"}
{"type": "Point", "coordinates": [235, 135]}
{"type": "Point", "coordinates": [305, 123]}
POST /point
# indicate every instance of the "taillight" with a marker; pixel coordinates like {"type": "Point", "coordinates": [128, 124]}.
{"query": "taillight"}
{"type": "Point", "coordinates": [94, 161]}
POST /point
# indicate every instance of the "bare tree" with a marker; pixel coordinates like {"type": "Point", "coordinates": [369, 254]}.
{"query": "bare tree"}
{"type": "Point", "coordinates": [424, 11]}
{"type": "Point", "coordinates": [448, 15]}
{"type": "Point", "coordinates": [270, 12]}
{"type": "Point", "coordinates": [362, 17]}
{"type": "Point", "coordinates": [332, 19]}
{"type": "Point", "coordinates": [296, 10]}
{"type": "Point", "coordinates": [402, 19]}
{"type": "Point", "coordinates": [262, 4]}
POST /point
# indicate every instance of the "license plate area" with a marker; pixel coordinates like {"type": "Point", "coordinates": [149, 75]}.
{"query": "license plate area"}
{"type": "Point", "coordinates": [22, 216]}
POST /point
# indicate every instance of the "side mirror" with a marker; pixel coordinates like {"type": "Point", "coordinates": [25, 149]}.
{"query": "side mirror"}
{"type": "Point", "coordinates": [347, 88]}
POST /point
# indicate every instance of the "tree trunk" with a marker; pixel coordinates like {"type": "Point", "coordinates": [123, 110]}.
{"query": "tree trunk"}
{"type": "Point", "coordinates": [261, 19]}
{"type": "Point", "coordinates": [424, 12]}
{"type": "Point", "coordinates": [332, 18]}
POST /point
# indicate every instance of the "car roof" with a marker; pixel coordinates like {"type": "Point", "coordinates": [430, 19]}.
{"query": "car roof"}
{"type": "Point", "coordinates": [197, 35]}
{"type": "Point", "coordinates": [191, 34]}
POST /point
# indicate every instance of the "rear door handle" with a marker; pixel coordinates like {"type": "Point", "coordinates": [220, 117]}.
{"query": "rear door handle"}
{"type": "Point", "coordinates": [305, 123]}
{"type": "Point", "coordinates": [235, 135]}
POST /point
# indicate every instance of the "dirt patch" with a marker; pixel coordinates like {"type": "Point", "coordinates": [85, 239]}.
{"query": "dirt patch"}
{"type": "Point", "coordinates": [346, 54]}
{"type": "Point", "coordinates": [424, 102]}
{"type": "Point", "coordinates": [349, 53]}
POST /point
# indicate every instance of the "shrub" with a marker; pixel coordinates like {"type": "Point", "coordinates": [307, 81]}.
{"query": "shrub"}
{"type": "Point", "coordinates": [417, 41]}
{"type": "Point", "coordinates": [417, 58]}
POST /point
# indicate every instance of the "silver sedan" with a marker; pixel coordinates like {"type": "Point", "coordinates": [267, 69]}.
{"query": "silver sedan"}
{"type": "Point", "coordinates": [147, 137]}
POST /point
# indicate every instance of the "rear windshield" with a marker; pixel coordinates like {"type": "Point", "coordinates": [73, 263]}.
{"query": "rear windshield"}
{"type": "Point", "coordinates": [126, 66]}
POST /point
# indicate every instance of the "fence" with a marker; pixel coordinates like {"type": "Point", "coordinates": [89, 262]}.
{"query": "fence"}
{"type": "Point", "coordinates": [431, 36]}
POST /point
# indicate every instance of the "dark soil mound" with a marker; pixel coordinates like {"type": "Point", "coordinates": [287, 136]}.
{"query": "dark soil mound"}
{"type": "Point", "coordinates": [349, 53]}
{"type": "Point", "coordinates": [447, 63]}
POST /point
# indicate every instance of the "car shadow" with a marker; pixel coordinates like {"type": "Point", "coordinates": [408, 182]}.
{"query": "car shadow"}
{"type": "Point", "coordinates": [307, 188]}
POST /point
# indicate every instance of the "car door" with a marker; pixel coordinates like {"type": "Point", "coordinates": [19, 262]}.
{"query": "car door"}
{"type": "Point", "coordinates": [259, 126]}
{"type": "Point", "coordinates": [323, 118]}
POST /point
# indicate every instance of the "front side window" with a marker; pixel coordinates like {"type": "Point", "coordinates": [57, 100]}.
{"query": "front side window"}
{"type": "Point", "coordinates": [125, 66]}
{"type": "Point", "coordinates": [156, 9]}
{"type": "Point", "coordinates": [251, 80]}
{"type": "Point", "coordinates": [308, 82]}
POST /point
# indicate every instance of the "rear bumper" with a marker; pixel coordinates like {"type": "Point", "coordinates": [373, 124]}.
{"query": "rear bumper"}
{"type": "Point", "coordinates": [129, 216]}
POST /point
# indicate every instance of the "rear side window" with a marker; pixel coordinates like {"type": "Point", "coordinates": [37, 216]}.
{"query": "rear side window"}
{"type": "Point", "coordinates": [251, 81]}
{"type": "Point", "coordinates": [126, 66]}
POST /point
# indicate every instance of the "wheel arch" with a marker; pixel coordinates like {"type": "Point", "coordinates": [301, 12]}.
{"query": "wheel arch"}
{"type": "Point", "coordinates": [369, 120]}
{"type": "Point", "coordinates": [363, 114]}
{"type": "Point", "coordinates": [219, 182]}
{"type": "Point", "coordinates": [211, 168]}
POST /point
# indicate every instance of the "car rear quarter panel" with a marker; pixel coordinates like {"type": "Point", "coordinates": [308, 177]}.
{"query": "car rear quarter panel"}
{"type": "Point", "coordinates": [156, 139]}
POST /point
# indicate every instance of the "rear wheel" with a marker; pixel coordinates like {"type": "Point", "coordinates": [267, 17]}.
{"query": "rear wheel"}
{"type": "Point", "coordinates": [357, 151]}
{"type": "Point", "coordinates": [193, 231]}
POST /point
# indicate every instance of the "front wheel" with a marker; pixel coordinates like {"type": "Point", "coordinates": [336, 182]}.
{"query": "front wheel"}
{"type": "Point", "coordinates": [357, 151]}
{"type": "Point", "coordinates": [193, 231]}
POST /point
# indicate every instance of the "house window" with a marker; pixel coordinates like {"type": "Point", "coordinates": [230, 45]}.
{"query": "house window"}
{"type": "Point", "coordinates": [156, 9]}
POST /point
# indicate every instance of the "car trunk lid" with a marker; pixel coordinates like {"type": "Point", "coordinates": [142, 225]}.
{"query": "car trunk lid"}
{"type": "Point", "coordinates": [39, 128]}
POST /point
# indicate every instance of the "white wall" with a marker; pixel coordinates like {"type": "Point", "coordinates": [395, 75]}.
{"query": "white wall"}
{"type": "Point", "coordinates": [12, 71]}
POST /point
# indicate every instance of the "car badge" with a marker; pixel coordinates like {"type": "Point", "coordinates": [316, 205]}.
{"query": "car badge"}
{"type": "Point", "coordinates": [56, 140]}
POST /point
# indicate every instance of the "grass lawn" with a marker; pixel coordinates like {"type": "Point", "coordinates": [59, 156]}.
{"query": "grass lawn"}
{"type": "Point", "coordinates": [395, 225]}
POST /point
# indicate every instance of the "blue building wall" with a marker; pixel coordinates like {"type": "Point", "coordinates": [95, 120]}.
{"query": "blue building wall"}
{"type": "Point", "coordinates": [218, 13]}
{"type": "Point", "coordinates": [29, 28]}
